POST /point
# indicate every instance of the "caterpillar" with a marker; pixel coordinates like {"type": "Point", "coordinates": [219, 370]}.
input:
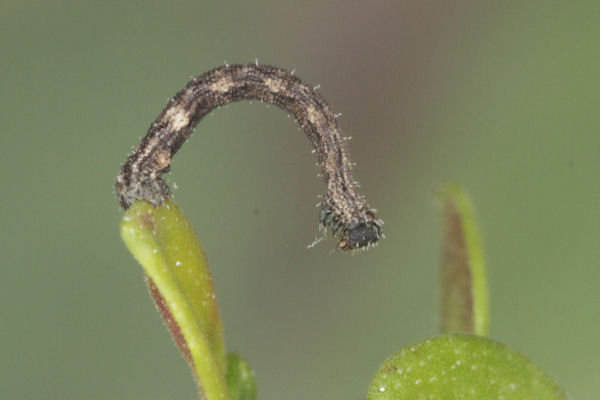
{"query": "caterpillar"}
{"type": "Point", "coordinates": [344, 211]}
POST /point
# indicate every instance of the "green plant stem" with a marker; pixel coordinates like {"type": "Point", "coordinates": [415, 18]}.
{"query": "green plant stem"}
{"type": "Point", "coordinates": [163, 242]}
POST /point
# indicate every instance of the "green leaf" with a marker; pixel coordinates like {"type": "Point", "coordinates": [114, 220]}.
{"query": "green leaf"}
{"type": "Point", "coordinates": [240, 378]}
{"type": "Point", "coordinates": [462, 367]}
{"type": "Point", "coordinates": [465, 298]}
{"type": "Point", "coordinates": [163, 242]}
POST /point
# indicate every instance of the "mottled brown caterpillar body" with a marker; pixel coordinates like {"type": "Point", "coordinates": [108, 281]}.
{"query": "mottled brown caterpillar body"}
{"type": "Point", "coordinates": [344, 210]}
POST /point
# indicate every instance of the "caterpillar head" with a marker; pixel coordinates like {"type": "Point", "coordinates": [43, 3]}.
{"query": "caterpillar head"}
{"type": "Point", "coordinates": [360, 235]}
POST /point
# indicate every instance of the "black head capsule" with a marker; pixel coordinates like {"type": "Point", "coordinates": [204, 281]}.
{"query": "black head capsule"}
{"type": "Point", "coordinates": [360, 235]}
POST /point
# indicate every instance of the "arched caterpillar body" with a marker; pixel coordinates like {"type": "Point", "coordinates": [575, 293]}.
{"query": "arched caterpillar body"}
{"type": "Point", "coordinates": [344, 210]}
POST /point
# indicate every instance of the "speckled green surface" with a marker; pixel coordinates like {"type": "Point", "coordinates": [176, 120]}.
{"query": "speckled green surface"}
{"type": "Point", "coordinates": [461, 367]}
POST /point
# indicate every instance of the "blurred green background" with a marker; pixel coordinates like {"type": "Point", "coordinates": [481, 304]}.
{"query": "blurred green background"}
{"type": "Point", "coordinates": [501, 97]}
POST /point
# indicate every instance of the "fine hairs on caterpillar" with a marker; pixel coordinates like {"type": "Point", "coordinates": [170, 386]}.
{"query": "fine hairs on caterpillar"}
{"type": "Point", "coordinates": [343, 210]}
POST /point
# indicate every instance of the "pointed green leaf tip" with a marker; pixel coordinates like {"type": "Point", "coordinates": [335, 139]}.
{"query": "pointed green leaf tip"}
{"type": "Point", "coordinates": [465, 298]}
{"type": "Point", "coordinates": [240, 378]}
{"type": "Point", "coordinates": [461, 367]}
{"type": "Point", "coordinates": [163, 242]}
